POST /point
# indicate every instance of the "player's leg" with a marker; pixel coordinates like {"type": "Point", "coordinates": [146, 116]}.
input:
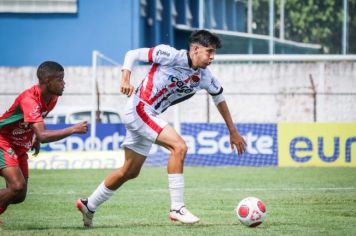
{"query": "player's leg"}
{"type": "Point", "coordinates": [23, 164]}
{"type": "Point", "coordinates": [130, 170]}
{"type": "Point", "coordinates": [171, 140]}
{"type": "Point", "coordinates": [14, 169]}
{"type": "Point", "coordinates": [137, 144]}
{"type": "Point", "coordinates": [16, 189]}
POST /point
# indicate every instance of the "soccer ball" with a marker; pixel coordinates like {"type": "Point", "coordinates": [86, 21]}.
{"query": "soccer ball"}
{"type": "Point", "coordinates": [251, 211]}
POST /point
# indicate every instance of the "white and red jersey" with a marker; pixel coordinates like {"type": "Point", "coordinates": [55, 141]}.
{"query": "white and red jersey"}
{"type": "Point", "coordinates": [171, 79]}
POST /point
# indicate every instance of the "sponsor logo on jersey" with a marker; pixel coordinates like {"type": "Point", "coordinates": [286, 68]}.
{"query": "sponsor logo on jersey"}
{"type": "Point", "coordinates": [21, 138]}
{"type": "Point", "coordinates": [18, 131]}
{"type": "Point", "coordinates": [164, 53]}
{"type": "Point", "coordinates": [163, 100]}
{"type": "Point", "coordinates": [180, 86]}
{"type": "Point", "coordinates": [26, 145]}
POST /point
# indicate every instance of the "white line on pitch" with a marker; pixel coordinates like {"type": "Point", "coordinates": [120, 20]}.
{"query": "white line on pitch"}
{"type": "Point", "coordinates": [215, 190]}
{"type": "Point", "coordinates": [286, 189]}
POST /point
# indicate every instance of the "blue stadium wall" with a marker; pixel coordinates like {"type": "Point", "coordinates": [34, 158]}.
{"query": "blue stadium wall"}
{"type": "Point", "coordinates": [110, 26]}
{"type": "Point", "coordinates": [116, 26]}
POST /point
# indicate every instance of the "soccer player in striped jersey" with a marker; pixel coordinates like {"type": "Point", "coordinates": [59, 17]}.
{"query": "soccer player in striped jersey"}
{"type": "Point", "coordinates": [22, 128]}
{"type": "Point", "coordinates": [175, 75]}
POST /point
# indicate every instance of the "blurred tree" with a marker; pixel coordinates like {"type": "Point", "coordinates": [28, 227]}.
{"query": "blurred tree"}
{"type": "Point", "coordinates": [260, 16]}
{"type": "Point", "coordinates": [352, 27]}
{"type": "Point", "coordinates": [310, 21]}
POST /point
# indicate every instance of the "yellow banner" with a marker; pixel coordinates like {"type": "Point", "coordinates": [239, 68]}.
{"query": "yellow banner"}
{"type": "Point", "coordinates": [317, 144]}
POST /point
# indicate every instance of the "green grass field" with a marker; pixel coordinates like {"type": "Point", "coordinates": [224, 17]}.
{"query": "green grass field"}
{"type": "Point", "coordinates": [300, 201]}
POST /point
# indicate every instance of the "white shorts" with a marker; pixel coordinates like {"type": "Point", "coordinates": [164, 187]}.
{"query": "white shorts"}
{"type": "Point", "coordinates": [142, 126]}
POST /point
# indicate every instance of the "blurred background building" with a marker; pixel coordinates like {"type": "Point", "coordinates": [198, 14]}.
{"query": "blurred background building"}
{"type": "Point", "coordinates": [281, 61]}
{"type": "Point", "coordinates": [306, 89]}
{"type": "Point", "coordinates": [68, 30]}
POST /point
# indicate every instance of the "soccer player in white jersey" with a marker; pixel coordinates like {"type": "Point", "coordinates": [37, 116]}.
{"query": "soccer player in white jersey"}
{"type": "Point", "coordinates": [175, 76]}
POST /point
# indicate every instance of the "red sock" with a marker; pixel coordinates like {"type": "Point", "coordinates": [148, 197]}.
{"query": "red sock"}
{"type": "Point", "coordinates": [2, 210]}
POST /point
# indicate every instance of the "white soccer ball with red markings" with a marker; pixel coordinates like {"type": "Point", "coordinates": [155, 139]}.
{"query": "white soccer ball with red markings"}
{"type": "Point", "coordinates": [251, 211]}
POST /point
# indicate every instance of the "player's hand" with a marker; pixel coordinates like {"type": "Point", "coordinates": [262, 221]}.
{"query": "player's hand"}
{"type": "Point", "coordinates": [36, 145]}
{"type": "Point", "coordinates": [237, 142]}
{"type": "Point", "coordinates": [126, 88]}
{"type": "Point", "coordinates": [80, 128]}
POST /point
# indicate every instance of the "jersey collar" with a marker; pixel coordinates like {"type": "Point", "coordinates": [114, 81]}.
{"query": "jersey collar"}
{"type": "Point", "coordinates": [190, 63]}
{"type": "Point", "coordinates": [189, 60]}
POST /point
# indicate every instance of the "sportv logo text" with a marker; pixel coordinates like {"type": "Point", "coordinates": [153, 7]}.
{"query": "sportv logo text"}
{"type": "Point", "coordinates": [203, 143]}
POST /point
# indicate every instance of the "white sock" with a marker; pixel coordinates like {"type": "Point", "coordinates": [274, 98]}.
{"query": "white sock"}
{"type": "Point", "coordinates": [176, 189]}
{"type": "Point", "coordinates": [99, 196]}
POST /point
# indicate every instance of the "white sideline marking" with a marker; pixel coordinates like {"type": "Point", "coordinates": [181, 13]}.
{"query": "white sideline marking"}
{"type": "Point", "coordinates": [289, 189]}
{"type": "Point", "coordinates": [212, 189]}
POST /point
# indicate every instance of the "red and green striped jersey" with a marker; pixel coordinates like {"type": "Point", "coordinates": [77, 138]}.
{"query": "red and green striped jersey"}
{"type": "Point", "coordinates": [29, 107]}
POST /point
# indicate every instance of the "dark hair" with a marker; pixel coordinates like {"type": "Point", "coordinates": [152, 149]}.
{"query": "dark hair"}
{"type": "Point", "coordinates": [204, 38]}
{"type": "Point", "coordinates": [48, 69]}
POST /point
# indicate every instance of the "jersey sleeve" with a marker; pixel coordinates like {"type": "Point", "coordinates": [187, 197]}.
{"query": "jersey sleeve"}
{"type": "Point", "coordinates": [213, 87]}
{"type": "Point", "coordinates": [162, 54]}
{"type": "Point", "coordinates": [131, 56]}
{"type": "Point", "coordinates": [212, 84]}
{"type": "Point", "coordinates": [31, 110]}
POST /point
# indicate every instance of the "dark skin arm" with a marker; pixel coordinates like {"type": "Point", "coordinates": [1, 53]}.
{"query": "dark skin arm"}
{"type": "Point", "coordinates": [45, 136]}
{"type": "Point", "coordinates": [35, 146]}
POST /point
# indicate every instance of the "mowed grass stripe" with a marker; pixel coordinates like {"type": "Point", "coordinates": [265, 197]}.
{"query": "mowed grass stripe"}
{"type": "Point", "coordinates": [300, 201]}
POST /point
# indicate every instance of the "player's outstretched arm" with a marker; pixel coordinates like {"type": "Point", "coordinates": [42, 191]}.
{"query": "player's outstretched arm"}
{"type": "Point", "coordinates": [45, 136]}
{"type": "Point", "coordinates": [131, 56]}
{"type": "Point", "coordinates": [236, 140]}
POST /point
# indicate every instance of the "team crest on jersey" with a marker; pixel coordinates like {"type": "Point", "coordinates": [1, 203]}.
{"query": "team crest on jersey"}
{"type": "Point", "coordinates": [194, 81]}
{"type": "Point", "coordinates": [10, 151]}
{"type": "Point", "coordinates": [24, 125]}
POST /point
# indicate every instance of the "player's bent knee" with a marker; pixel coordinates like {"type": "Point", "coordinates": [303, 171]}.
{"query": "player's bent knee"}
{"type": "Point", "coordinates": [18, 187]}
{"type": "Point", "coordinates": [130, 174]}
{"type": "Point", "coordinates": [18, 191]}
{"type": "Point", "coordinates": [180, 149]}
{"type": "Point", "coordinates": [20, 197]}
